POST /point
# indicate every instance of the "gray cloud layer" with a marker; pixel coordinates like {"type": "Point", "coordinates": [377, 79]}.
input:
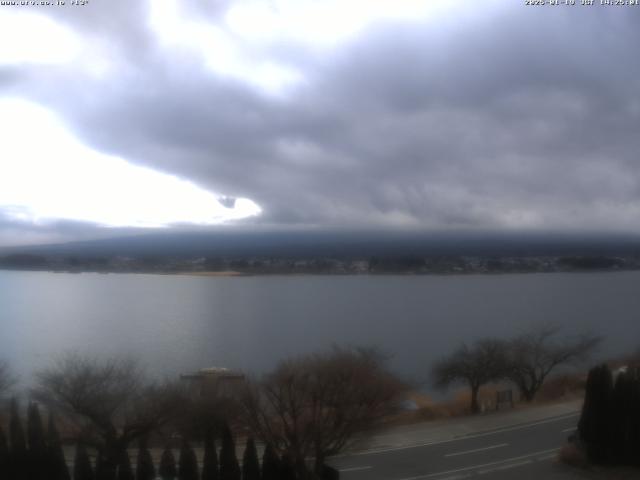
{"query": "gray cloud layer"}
{"type": "Point", "coordinates": [507, 118]}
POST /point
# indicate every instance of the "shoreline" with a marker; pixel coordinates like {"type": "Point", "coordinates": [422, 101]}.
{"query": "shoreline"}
{"type": "Point", "coordinates": [235, 273]}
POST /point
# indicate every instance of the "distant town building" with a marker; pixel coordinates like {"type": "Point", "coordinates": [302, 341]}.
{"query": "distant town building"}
{"type": "Point", "coordinates": [214, 382]}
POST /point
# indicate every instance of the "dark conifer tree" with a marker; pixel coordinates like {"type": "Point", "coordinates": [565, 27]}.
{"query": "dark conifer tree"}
{"type": "Point", "coordinates": [270, 464]}
{"type": "Point", "coordinates": [145, 469]}
{"type": "Point", "coordinates": [4, 455]}
{"type": "Point", "coordinates": [167, 470]}
{"type": "Point", "coordinates": [210, 469]}
{"type": "Point", "coordinates": [250, 463]}
{"type": "Point", "coordinates": [125, 472]}
{"type": "Point", "coordinates": [330, 473]}
{"type": "Point", "coordinates": [229, 467]}
{"type": "Point", "coordinates": [57, 462]}
{"type": "Point", "coordinates": [105, 469]}
{"type": "Point", "coordinates": [82, 469]}
{"type": "Point", "coordinates": [37, 457]}
{"type": "Point", "coordinates": [18, 460]}
{"type": "Point", "coordinates": [287, 468]}
{"type": "Point", "coordinates": [634, 420]}
{"type": "Point", "coordinates": [619, 433]}
{"type": "Point", "coordinates": [188, 463]}
{"type": "Point", "coordinates": [594, 425]}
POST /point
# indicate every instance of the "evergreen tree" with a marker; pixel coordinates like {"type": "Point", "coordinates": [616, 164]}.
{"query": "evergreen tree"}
{"type": "Point", "coordinates": [167, 470]}
{"type": "Point", "coordinates": [229, 467]}
{"type": "Point", "coordinates": [188, 463]}
{"type": "Point", "coordinates": [82, 465]}
{"type": "Point", "coordinates": [145, 469]}
{"type": "Point", "coordinates": [125, 472]}
{"type": "Point", "coordinates": [57, 463]}
{"type": "Point", "coordinates": [634, 420]}
{"type": "Point", "coordinates": [210, 461]}
{"type": "Point", "coordinates": [594, 425]}
{"type": "Point", "coordinates": [619, 419]}
{"type": "Point", "coordinates": [105, 469]}
{"type": "Point", "coordinates": [18, 461]}
{"type": "Point", "coordinates": [4, 455]}
{"type": "Point", "coordinates": [250, 463]}
{"type": "Point", "coordinates": [330, 473]}
{"type": "Point", "coordinates": [39, 469]}
{"type": "Point", "coordinates": [287, 468]}
{"type": "Point", "coordinates": [270, 464]}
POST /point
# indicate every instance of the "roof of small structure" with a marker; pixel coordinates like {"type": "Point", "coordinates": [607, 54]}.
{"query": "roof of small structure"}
{"type": "Point", "coordinates": [214, 372]}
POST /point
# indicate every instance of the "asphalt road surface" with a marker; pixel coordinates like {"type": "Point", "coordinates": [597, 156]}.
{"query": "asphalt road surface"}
{"type": "Point", "coordinates": [522, 452]}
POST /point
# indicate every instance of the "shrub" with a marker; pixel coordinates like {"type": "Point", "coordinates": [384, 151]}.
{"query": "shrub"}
{"type": "Point", "coordinates": [188, 463]}
{"type": "Point", "coordinates": [82, 465]}
{"type": "Point", "coordinates": [210, 469]}
{"type": "Point", "coordinates": [594, 425]}
{"type": "Point", "coordinates": [167, 470]}
{"type": "Point", "coordinates": [57, 463]}
{"type": "Point", "coordinates": [145, 469]}
{"type": "Point", "coordinates": [250, 463]}
{"type": "Point", "coordinates": [125, 472]}
{"type": "Point", "coordinates": [573, 455]}
{"type": "Point", "coordinates": [270, 464]}
{"type": "Point", "coordinates": [229, 467]}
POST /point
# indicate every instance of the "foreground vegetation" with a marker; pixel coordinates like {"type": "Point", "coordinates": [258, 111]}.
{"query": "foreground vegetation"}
{"type": "Point", "coordinates": [309, 408]}
{"type": "Point", "coordinates": [609, 427]}
{"type": "Point", "coordinates": [526, 360]}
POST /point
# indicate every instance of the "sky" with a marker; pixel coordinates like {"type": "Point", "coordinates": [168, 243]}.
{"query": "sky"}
{"type": "Point", "coordinates": [120, 116]}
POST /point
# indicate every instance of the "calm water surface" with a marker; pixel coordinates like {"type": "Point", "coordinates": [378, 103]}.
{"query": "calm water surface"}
{"type": "Point", "coordinates": [179, 323]}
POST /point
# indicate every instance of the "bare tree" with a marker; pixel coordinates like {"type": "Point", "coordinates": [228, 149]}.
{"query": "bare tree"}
{"type": "Point", "coordinates": [536, 353]}
{"type": "Point", "coordinates": [482, 362]}
{"type": "Point", "coordinates": [109, 401]}
{"type": "Point", "coordinates": [314, 406]}
{"type": "Point", "coordinates": [6, 378]}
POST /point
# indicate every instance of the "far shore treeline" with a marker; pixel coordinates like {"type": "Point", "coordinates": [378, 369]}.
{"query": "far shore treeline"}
{"type": "Point", "coordinates": [330, 265]}
{"type": "Point", "coordinates": [334, 252]}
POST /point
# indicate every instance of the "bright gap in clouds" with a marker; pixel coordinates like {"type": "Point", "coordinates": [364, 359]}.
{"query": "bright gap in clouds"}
{"type": "Point", "coordinates": [46, 174]}
{"type": "Point", "coordinates": [29, 38]}
{"type": "Point", "coordinates": [219, 51]}
{"type": "Point", "coordinates": [324, 23]}
{"type": "Point", "coordinates": [238, 45]}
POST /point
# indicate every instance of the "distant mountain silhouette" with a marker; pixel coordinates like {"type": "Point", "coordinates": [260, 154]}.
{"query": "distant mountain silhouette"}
{"type": "Point", "coordinates": [342, 244]}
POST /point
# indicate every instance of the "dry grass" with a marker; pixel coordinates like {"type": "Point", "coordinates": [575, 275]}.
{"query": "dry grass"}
{"type": "Point", "coordinates": [562, 387]}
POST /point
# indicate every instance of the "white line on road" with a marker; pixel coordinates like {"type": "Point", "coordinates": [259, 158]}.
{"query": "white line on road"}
{"type": "Point", "coordinates": [569, 429]}
{"type": "Point", "coordinates": [504, 467]}
{"type": "Point", "coordinates": [458, 439]}
{"type": "Point", "coordinates": [475, 467]}
{"type": "Point", "coordinates": [477, 450]}
{"type": "Point", "coordinates": [355, 469]}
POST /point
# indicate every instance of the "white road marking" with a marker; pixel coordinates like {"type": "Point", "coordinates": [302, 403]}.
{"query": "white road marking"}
{"type": "Point", "coordinates": [355, 469]}
{"type": "Point", "coordinates": [458, 439]}
{"type": "Point", "coordinates": [504, 467]}
{"type": "Point", "coordinates": [476, 450]}
{"type": "Point", "coordinates": [568, 429]}
{"type": "Point", "coordinates": [484, 465]}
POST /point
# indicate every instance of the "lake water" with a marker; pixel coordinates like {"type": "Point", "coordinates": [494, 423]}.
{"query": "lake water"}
{"type": "Point", "coordinates": [180, 323]}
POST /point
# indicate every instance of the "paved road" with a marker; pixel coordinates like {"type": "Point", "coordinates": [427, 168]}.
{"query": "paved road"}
{"type": "Point", "coordinates": [523, 451]}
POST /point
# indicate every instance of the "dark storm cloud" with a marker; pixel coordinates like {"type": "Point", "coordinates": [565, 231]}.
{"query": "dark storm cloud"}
{"type": "Point", "coordinates": [507, 118]}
